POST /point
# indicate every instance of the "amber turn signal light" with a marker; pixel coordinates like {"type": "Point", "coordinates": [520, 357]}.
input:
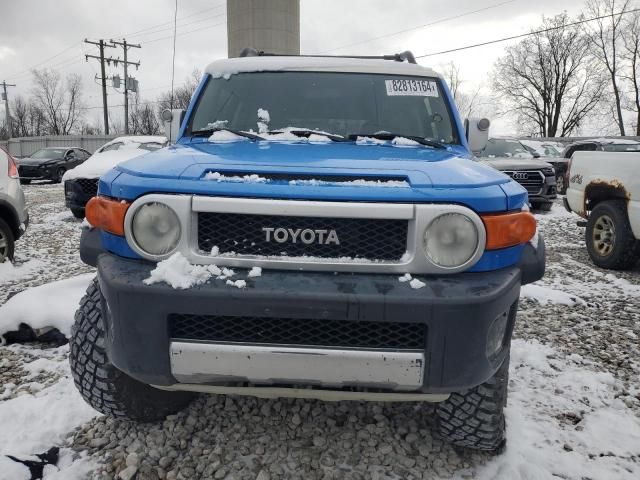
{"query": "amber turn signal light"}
{"type": "Point", "coordinates": [509, 229]}
{"type": "Point", "coordinates": [107, 214]}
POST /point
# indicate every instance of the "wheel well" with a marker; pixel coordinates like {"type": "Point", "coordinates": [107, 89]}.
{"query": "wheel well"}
{"type": "Point", "coordinates": [597, 192]}
{"type": "Point", "coordinates": [9, 215]}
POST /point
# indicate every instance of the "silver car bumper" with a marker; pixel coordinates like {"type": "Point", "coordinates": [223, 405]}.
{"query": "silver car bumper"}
{"type": "Point", "coordinates": [209, 363]}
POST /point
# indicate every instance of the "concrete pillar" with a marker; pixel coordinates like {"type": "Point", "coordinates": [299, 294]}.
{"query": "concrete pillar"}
{"type": "Point", "coordinates": [269, 25]}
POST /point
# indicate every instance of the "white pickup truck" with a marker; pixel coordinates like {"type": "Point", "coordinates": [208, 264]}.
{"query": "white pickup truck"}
{"type": "Point", "coordinates": [604, 188]}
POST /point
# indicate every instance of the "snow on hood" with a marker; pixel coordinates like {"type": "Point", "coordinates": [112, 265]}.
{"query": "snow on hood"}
{"type": "Point", "coordinates": [100, 163]}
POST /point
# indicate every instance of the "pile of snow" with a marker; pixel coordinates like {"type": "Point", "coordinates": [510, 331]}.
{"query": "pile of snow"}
{"type": "Point", "coordinates": [221, 177]}
{"type": "Point", "coordinates": [546, 295]}
{"type": "Point", "coordinates": [180, 274]}
{"type": "Point", "coordinates": [263, 120]}
{"type": "Point", "coordinates": [10, 272]}
{"type": "Point", "coordinates": [413, 282]}
{"type": "Point", "coordinates": [224, 136]}
{"type": "Point", "coordinates": [404, 142]}
{"type": "Point", "coordinates": [51, 305]}
{"type": "Point", "coordinates": [177, 272]}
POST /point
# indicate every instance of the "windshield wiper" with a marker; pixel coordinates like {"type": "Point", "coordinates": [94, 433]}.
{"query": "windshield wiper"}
{"type": "Point", "coordinates": [307, 132]}
{"type": "Point", "coordinates": [204, 132]}
{"type": "Point", "coordinates": [391, 136]}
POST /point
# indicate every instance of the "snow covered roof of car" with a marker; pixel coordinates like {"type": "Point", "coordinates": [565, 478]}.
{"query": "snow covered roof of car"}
{"type": "Point", "coordinates": [230, 66]}
{"type": "Point", "coordinates": [137, 139]}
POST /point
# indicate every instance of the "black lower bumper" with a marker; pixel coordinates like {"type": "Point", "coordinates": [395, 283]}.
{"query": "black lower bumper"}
{"type": "Point", "coordinates": [457, 310]}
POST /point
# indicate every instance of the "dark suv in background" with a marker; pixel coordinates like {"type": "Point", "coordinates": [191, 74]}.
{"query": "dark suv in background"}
{"type": "Point", "coordinates": [50, 163]}
{"type": "Point", "coordinates": [537, 177]}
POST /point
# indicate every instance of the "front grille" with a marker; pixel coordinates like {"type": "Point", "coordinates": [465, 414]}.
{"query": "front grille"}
{"type": "Point", "coordinates": [298, 331]}
{"type": "Point", "coordinates": [531, 180]}
{"type": "Point", "coordinates": [29, 171]}
{"type": "Point", "coordinates": [356, 237]}
{"type": "Point", "coordinates": [88, 186]}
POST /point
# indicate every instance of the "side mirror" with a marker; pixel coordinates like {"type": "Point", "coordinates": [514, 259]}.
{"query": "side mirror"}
{"type": "Point", "coordinates": [172, 120]}
{"type": "Point", "coordinates": [477, 131]}
{"type": "Point", "coordinates": [535, 154]}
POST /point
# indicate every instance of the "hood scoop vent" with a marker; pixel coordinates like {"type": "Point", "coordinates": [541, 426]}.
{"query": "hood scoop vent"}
{"type": "Point", "coordinates": [303, 179]}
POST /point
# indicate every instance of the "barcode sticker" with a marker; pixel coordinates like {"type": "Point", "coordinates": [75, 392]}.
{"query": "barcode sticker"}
{"type": "Point", "coordinates": [412, 87]}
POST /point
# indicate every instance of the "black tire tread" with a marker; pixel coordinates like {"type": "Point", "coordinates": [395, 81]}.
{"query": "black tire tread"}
{"type": "Point", "coordinates": [8, 233]}
{"type": "Point", "coordinates": [100, 383]}
{"type": "Point", "coordinates": [78, 213]}
{"type": "Point", "coordinates": [474, 418]}
{"type": "Point", "coordinates": [627, 249]}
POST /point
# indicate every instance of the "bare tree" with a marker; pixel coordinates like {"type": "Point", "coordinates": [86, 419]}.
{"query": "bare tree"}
{"type": "Point", "coordinates": [28, 118]}
{"type": "Point", "coordinates": [60, 102]}
{"type": "Point", "coordinates": [548, 80]}
{"type": "Point", "coordinates": [465, 101]}
{"type": "Point", "coordinates": [605, 35]}
{"type": "Point", "coordinates": [631, 56]}
{"type": "Point", "coordinates": [142, 118]}
{"type": "Point", "coordinates": [181, 94]}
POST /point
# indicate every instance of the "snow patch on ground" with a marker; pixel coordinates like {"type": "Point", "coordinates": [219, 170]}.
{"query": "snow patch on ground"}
{"type": "Point", "coordinates": [10, 272]}
{"type": "Point", "coordinates": [33, 423]}
{"type": "Point", "coordinates": [547, 396]}
{"type": "Point", "coordinates": [544, 294]}
{"type": "Point", "coordinates": [50, 305]}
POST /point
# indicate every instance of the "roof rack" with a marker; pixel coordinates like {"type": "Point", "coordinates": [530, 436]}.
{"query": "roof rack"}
{"type": "Point", "coordinates": [405, 56]}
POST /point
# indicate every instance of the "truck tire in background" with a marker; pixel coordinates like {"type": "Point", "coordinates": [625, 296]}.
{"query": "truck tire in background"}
{"type": "Point", "coordinates": [475, 418]}
{"type": "Point", "coordinates": [78, 213]}
{"type": "Point", "coordinates": [101, 384]}
{"type": "Point", "coordinates": [610, 241]}
{"type": "Point", "coordinates": [7, 242]}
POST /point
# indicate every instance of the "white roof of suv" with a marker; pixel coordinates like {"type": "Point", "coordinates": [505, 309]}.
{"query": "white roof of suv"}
{"type": "Point", "coordinates": [230, 66]}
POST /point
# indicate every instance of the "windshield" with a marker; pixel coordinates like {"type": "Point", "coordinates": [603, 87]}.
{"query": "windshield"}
{"type": "Point", "coordinates": [505, 148]}
{"type": "Point", "coordinates": [621, 147]}
{"type": "Point", "coordinates": [338, 103]}
{"type": "Point", "coordinates": [49, 153]}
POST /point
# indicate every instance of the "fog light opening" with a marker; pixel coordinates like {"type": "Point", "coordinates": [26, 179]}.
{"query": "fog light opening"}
{"type": "Point", "coordinates": [497, 331]}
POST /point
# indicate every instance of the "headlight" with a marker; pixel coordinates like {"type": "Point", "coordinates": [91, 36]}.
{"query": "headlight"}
{"type": "Point", "coordinates": [451, 240]}
{"type": "Point", "coordinates": [155, 228]}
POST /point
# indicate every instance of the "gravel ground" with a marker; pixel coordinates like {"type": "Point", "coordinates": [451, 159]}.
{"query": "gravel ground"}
{"type": "Point", "coordinates": [225, 437]}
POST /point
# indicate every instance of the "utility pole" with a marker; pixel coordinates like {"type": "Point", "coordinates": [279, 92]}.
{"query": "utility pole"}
{"type": "Point", "coordinates": [5, 97]}
{"type": "Point", "coordinates": [125, 46]}
{"type": "Point", "coordinates": [101, 45]}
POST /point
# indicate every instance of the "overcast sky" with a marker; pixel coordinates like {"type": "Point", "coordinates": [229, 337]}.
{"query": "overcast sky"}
{"type": "Point", "coordinates": [39, 33]}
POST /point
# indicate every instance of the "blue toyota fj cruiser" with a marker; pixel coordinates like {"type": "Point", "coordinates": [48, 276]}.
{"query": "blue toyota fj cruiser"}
{"type": "Point", "coordinates": [391, 260]}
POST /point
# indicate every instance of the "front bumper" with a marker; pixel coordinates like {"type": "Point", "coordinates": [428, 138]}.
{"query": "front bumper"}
{"type": "Point", "coordinates": [548, 192]}
{"type": "Point", "coordinates": [458, 312]}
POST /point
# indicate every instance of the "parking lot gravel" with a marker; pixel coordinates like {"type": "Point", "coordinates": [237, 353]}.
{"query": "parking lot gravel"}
{"type": "Point", "coordinates": [574, 358]}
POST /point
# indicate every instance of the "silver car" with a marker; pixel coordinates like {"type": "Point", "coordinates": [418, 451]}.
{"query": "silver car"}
{"type": "Point", "coordinates": [14, 217]}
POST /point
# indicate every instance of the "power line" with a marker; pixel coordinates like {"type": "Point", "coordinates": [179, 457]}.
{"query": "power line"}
{"type": "Point", "coordinates": [522, 35]}
{"type": "Point", "coordinates": [28, 69]}
{"type": "Point", "coordinates": [181, 26]}
{"type": "Point", "coordinates": [435, 22]}
{"type": "Point", "coordinates": [186, 33]}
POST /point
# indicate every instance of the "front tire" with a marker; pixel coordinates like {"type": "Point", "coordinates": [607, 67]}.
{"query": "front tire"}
{"type": "Point", "coordinates": [7, 242]}
{"type": "Point", "coordinates": [59, 174]}
{"type": "Point", "coordinates": [609, 238]}
{"type": "Point", "coordinates": [561, 188]}
{"type": "Point", "coordinates": [100, 383]}
{"type": "Point", "coordinates": [474, 418]}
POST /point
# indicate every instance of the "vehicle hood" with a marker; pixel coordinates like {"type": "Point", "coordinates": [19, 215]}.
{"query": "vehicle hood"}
{"type": "Point", "coordinates": [36, 161]}
{"type": "Point", "coordinates": [427, 174]}
{"type": "Point", "coordinates": [100, 163]}
{"type": "Point", "coordinates": [505, 163]}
